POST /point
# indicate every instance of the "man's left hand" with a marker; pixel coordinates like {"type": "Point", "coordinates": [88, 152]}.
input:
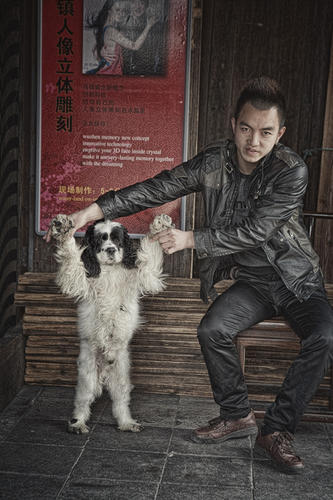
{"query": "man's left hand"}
{"type": "Point", "coordinates": [172, 240]}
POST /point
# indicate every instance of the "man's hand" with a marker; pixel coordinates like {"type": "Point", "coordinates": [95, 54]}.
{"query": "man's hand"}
{"type": "Point", "coordinates": [80, 219]}
{"type": "Point", "coordinates": [172, 240]}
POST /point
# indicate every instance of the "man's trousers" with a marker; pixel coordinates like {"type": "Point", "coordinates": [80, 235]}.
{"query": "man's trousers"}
{"type": "Point", "coordinates": [247, 302]}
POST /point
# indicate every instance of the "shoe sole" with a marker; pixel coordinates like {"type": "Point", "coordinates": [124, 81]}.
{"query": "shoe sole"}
{"type": "Point", "coordinates": [281, 467]}
{"type": "Point", "coordinates": [248, 431]}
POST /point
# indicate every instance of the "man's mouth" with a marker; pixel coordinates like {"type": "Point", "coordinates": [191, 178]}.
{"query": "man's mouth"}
{"type": "Point", "coordinates": [252, 151]}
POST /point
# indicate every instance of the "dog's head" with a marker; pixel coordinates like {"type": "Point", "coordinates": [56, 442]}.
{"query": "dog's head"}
{"type": "Point", "coordinates": [106, 243]}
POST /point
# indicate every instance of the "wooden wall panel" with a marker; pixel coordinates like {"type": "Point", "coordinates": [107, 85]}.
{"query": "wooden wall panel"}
{"type": "Point", "coordinates": [11, 340]}
{"type": "Point", "coordinates": [286, 40]}
{"type": "Point", "coordinates": [324, 228]}
{"type": "Point", "coordinates": [9, 156]}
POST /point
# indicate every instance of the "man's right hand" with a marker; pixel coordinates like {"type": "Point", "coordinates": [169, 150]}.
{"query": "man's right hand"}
{"type": "Point", "coordinates": [80, 219]}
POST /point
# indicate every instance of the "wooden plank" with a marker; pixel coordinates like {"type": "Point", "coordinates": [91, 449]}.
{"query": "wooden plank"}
{"type": "Point", "coordinates": [45, 341]}
{"type": "Point", "coordinates": [23, 299]}
{"type": "Point", "coordinates": [41, 310]}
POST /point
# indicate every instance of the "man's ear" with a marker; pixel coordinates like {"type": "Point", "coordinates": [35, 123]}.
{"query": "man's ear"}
{"type": "Point", "coordinates": [280, 134]}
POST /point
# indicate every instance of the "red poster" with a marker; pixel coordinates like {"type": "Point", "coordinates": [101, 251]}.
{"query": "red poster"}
{"type": "Point", "coordinates": [112, 101]}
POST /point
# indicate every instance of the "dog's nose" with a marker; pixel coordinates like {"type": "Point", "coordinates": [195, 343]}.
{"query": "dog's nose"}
{"type": "Point", "coordinates": [110, 251]}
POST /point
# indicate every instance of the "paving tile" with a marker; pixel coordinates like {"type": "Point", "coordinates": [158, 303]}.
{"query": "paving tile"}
{"type": "Point", "coordinates": [158, 399]}
{"type": "Point", "coordinates": [154, 415]}
{"type": "Point", "coordinates": [41, 431]}
{"type": "Point", "coordinates": [59, 409]}
{"type": "Point", "coordinates": [106, 416]}
{"type": "Point", "coordinates": [56, 409]}
{"type": "Point", "coordinates": [171, 491]}
{"type": "Point", "coordinates": [149, 439]}
{"type": "Point", "coordinates": [22, 403]}
{"type": "Point", "coordinates": [19, 486]}
{"type": "Point", "coordinates": [314, 449]}
{"type": "Point", "coordinates": [311, 429]}
{"type": "Point", "coordinates": [182, 443]}
{"type": "Point", "coordinates": [119, 465]}
{"type": "Point", "coordinates": [329, 428]}
{"type": "Point", "coordinates": [195, 412]}
{"type": "Point", "coordinates": [316, 482]}
{"type": "Point", "coordinates": [7, 424]}
{"type": "Point", "coordinates": [58, 393]}
{"type": "Point", "coordinates": [30, 391]}
{"type": "Point", "coordinates": [10, 417]}
{"type": "Point", "coordinates": [37, 459]}
{"type": "Point", "coordinates": [210, 471]}
{"type": "Point", "coordinates": [104, 489]}
{"type": "Point", "coordinates": [147, 413]}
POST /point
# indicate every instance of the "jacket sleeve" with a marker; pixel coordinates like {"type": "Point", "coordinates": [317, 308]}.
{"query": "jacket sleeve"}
{"type": "Point", "coordinates": [269, 213]}
{"type": "Point", "coordinates": [166, 186]}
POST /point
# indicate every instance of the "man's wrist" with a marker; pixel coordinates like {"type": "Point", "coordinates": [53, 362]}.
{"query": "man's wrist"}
{"type": "Point", "coordinates": [94, 212]}
{"type": "Point", "coordinates": [190, 239]}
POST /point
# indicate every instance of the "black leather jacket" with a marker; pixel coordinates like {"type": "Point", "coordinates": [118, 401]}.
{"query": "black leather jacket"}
{"type": "Point", "coordinates": [275, 223]}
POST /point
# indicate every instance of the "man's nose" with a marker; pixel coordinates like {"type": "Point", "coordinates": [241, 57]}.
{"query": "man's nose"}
{"type": "Point", "coordinates": [254, 139]}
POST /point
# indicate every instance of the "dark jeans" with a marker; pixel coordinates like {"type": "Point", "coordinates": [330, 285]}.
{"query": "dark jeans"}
{"type": "Point", "coordinates": [244, 304]}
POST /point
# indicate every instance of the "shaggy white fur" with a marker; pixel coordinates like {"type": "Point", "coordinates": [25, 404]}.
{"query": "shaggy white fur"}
{"type": "Point", "coordinates": [107, 280]}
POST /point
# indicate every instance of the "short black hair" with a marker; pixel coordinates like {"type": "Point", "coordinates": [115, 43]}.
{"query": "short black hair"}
{"type": "Point", "coordinates": [263, 93]}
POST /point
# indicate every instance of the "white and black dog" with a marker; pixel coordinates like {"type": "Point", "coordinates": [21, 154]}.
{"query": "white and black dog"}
{"type": "Point", "coordinates": [107, 277]}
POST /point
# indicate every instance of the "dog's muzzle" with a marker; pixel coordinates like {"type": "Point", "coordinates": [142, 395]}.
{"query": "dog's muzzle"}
{"type": "Point", "coordinates": [110, 251]}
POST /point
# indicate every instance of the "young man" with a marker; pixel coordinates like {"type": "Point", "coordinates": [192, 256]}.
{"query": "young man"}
{"type": "Point", "coordinates": [252, 189]}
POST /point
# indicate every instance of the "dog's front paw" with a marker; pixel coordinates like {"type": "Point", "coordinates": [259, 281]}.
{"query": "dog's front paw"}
{"type": "Point", "coordinates": [132, 426]}
{"type": "Point", "coordinates": [61, 226]}
{"type": "Point", "coordinates": [76, 427]}
{"type": "Point", "coordinates": [160, 223]}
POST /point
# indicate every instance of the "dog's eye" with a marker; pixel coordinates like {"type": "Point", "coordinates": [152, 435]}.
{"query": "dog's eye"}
{"type": "Point", "coordinates": [105, 236]}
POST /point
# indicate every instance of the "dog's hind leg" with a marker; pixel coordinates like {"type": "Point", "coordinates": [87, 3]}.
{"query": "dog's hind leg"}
{"type": "Point", "coordinates": [87, 389]}
{"type": "Point", "coordinates": [119, 387]}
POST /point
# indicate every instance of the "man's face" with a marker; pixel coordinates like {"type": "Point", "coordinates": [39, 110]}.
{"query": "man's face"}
{"type": "Point", "coordinates": [256, 132]}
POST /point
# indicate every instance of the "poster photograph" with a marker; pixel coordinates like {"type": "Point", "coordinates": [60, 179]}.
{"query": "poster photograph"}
{"type": "Point", "coordinates": [128, 38]}
{"type": "Point", "coordinates": [112, 101]}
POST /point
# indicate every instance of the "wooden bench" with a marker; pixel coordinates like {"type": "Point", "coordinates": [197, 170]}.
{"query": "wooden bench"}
{"type": "Point", "coordinates": [166, 356]}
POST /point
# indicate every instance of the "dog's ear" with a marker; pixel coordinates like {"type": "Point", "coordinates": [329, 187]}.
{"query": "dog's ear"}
{"type": "Point", "coordinates": [88, 256]}
{"type": "Point", "coordinates": [129, 257]}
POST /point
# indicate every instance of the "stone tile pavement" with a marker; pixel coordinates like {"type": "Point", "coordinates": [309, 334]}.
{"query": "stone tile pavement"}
{"type": "Point", "coordinates": [40, 460]}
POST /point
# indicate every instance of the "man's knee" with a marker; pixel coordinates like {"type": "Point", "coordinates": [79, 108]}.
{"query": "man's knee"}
{"type": "Point", "coordinates": [322, 339]}
{"type": "Point", "coordinates": [212, 332]}
{"type": "Point", "coordinates": [327, 339]}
